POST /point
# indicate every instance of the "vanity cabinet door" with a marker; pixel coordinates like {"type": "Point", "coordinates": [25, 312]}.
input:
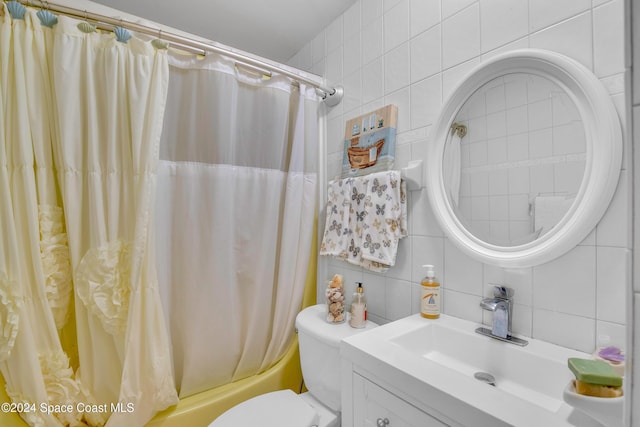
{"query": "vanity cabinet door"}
{"type": "Point", "coordinates": [374, 406]}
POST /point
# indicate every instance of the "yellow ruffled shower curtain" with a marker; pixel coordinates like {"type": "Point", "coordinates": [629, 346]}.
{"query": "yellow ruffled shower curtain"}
{"type": "Point", "coordinates": [80, 121]}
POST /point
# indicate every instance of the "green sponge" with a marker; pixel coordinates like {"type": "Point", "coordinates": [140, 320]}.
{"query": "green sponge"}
{"type": "Point", "coordinates": [594, 372]}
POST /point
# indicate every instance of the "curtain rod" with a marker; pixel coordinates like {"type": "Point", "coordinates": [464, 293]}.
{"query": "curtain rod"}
{"type": "Point", "coordinates": [331, 96]}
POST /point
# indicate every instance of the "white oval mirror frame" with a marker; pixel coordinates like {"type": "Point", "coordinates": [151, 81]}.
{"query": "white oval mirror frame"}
{"type": "Point", "coordinates": [603, 160]}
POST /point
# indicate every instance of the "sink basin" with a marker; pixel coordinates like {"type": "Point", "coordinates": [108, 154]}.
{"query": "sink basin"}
{"type": "Point", "coordinates": [441, 365]}
{"type": "Point", "coordinates": [538, 375]}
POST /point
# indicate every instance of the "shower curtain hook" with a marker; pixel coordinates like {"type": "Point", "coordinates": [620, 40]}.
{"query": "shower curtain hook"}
{"type": "Point", "coordinates": [122, 34]}
{"type": "Point", "coordinates": [47, 18]}
{"type": "Point", "coordinates": [159, 43]}
{"type": "Point", "coordinates": [85, 26]}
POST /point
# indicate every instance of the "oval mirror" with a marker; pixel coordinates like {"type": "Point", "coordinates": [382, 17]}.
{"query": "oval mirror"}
{"type": "Point", "coordinates": [525, 158]}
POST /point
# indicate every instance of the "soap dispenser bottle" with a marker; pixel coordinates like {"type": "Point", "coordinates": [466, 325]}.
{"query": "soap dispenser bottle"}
{"type": "Point", "coordinates": [430, 300]}
{"type": "Point", "coordinates": [358, 308]}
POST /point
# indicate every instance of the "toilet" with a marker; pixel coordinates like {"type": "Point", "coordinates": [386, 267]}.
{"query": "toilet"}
{"type": "Point", "coordinates": [320, 359]}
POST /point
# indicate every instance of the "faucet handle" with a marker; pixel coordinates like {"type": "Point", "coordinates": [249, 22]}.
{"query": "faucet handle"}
{"type": "Point", "coordinates": [500, 291]}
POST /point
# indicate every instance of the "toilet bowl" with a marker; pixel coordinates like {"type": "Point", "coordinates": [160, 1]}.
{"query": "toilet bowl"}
{"type": "Point", "coordinates": [320, 360]}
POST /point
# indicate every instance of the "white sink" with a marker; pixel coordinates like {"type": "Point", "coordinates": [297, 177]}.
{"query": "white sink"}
{"type": "Point", "coordinates": [434, 363]}
{"type": "Point", "coordinates": [538, 375]}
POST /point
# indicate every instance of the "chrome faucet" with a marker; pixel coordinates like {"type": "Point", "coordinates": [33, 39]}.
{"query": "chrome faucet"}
{"type": "Point", "coordinates": [502, 307]}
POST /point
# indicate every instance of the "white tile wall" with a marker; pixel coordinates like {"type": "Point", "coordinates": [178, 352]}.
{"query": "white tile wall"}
{"type": "Point", "coordinates": [334, 64]}
{"type": "Point", "coordinates": [542, 13]}
{"type": "Point", "coordinates": [334, 34]}
{"type": "Point", "coordinates": [370, 10]}
{"type": "Point", "coordinates": [318, 46]}
{"type": "Point", "coordinates": [502, 21]}
{"type": "Point", "coordinates": [352, 56]}
{"type": "Point", "coordinates": [572, 37]}
{"type": "Point", "coordinates": [373, 80]}
{"type": "Point", "coordinates": [614, 228]}
{"type": "Point", "coordinates": [371, 46]}
{"type": "Point", "coordinates": [450, 7]}
{"type": "Point", "coordinates": [413, 53]}
{"type": "Point", "coordinates": [396, 25]}
{"type": "Point", "coordinates": [570, 331]}
{"type": "Point", "coordinates": [568, 284]}
{"type": "Point", "coordinates": [396, 68]}
{"type": "Point", "coordinates": [613, 268]}
{"type": "Point", "coordinates": [398, 298]}
{"type": "Point", "coordinates": [425, 54]}
{"type": "Point", "coordinates": [351, 21]}
{"type": "Point", "coordinates": [461, 36]}
{"type": "Point", "coordinates": [426, 100]}
{"type": "Point", "coordinates": [423, 14]}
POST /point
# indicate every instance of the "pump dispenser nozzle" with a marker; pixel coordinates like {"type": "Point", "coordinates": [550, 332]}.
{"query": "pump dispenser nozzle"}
{"type": "Point", "coordinates": [430, 270]}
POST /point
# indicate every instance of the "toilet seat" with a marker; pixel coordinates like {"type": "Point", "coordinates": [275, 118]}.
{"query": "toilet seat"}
{"type": "Point", "coordinates": [281, 408]}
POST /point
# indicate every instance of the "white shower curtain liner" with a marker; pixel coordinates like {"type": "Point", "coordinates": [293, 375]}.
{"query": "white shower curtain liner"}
{"type": "Point", "coordinates": [236, 204]}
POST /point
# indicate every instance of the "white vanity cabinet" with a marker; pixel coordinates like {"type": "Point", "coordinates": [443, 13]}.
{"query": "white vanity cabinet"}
{"type": "Point", "coordinates": [378, 393]}
{"type": "Point", "coordinates": [418, 373]}
{"type": "Point", "coordinates": [374, 406]}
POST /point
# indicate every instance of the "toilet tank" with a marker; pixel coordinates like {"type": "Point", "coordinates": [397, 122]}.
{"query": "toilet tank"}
{"type": "Point", "coordinates": [320, 353]}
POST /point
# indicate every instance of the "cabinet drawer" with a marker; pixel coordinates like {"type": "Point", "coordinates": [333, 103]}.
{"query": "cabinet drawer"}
{"type": "Point", "coordinates": [373, 406]}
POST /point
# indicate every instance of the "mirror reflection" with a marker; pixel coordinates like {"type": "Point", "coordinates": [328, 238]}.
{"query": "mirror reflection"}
{"type": "Point", "coordinates": [514, 159]}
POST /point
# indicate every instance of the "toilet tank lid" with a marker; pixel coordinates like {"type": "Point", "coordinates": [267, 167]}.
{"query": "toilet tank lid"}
{"type": "Point", "coordinates": [312, 320]}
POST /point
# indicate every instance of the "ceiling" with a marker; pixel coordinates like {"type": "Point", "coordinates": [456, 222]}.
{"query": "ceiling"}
{"type": "Point", "coordinates": [273, 29]}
